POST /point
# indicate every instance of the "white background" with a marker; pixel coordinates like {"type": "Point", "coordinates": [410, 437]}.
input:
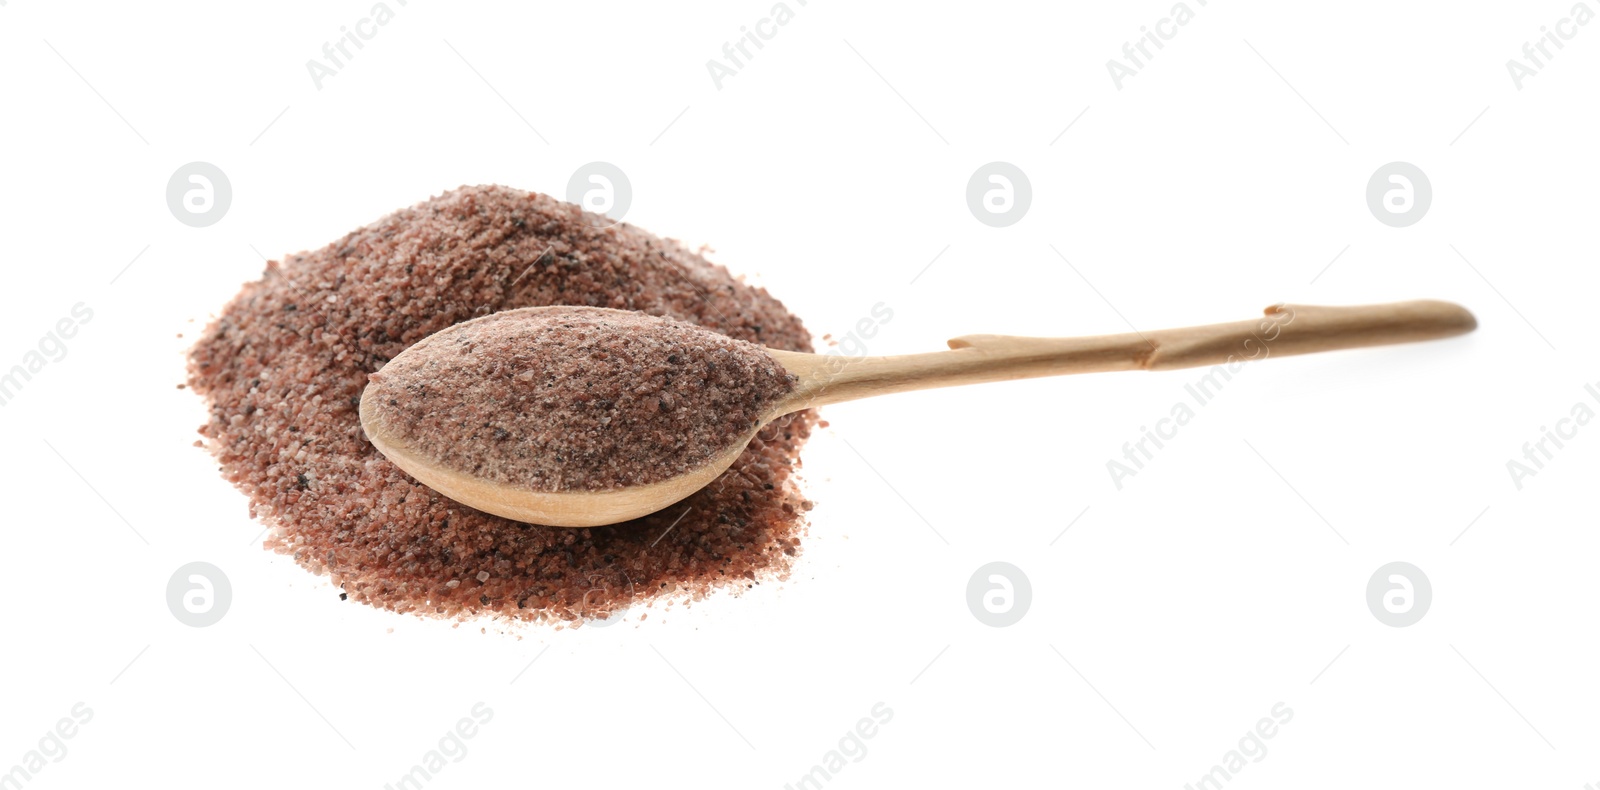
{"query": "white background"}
{"type": "Point", "coordinates": [1173, 613]}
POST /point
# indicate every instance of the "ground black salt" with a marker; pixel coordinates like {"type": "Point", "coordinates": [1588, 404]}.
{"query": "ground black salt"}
{"type": "Point", "coordinates": [283, 366]}
{"type": "Point", "coordinates": [575, 398]}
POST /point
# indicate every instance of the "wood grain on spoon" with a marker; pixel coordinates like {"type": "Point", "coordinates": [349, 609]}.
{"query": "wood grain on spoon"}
{"type": "Point", "coordinates": [973, 359]}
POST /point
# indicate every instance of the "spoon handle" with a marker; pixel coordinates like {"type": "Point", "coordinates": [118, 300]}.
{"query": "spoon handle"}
{"type": "Point", "coordinates": [975, 359]}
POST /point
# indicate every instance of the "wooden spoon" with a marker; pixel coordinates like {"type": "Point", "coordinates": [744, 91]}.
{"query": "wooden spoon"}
{"type": "Point", "coordinates": [973, 359]}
